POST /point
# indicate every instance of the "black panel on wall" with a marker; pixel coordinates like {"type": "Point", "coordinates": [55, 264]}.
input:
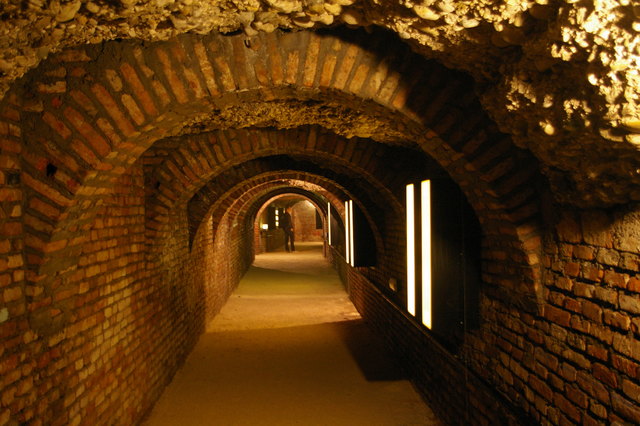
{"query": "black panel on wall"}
{"type": "Point", "coordinates": [337, 231]}
{"type": "Point", "coordinates": [364, 240]}
{"type": "Point", "coordinates": [455, 262]}
{"type": "Point", "coordinates": [271, 217]}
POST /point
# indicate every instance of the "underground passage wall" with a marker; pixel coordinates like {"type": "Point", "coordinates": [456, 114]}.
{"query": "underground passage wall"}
{"type": "Point", "coordinates": [131, 173]}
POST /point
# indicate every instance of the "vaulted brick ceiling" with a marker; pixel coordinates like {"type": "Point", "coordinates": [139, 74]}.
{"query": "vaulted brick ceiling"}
{"type": "Point", "coordinates": [366, 110]}
{"type": "Point", "coordinates": [561, 79]}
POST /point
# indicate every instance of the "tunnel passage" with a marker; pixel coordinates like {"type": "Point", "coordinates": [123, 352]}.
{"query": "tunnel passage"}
{"type": "Point", "coordinates": [132, 172]}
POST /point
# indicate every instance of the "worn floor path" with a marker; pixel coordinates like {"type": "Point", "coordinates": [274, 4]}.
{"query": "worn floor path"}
{"type": "Point", "coordinates": [289, 348]}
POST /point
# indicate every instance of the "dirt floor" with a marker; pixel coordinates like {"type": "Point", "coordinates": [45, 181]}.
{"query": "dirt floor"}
{"type": "Point", "coordinates": [289, 348]}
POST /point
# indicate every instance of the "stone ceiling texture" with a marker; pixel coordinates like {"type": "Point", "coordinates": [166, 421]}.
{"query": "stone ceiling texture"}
{"type": "Point", "coordinates": [561, 77]}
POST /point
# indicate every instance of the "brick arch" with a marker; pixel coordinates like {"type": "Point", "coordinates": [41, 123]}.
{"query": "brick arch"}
{"type": "Point", "coordinates": [257, 207]}
{"type": "Point", "coordinates": [193, 167]}
{"type": "Point", "coordinates": [314, 196]}
{"type": "Point", "coordinates": [240, 200]}
{"type": "Point", "coordinates": [104, 115]}
{"type": "Point", "coordinates": [242, 194]}
{"type": "Point", "coordinates": [260, 204]}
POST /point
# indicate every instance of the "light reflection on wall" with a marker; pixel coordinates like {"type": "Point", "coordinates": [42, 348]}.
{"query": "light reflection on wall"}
{"type": "Point", "coordinates": [411, 252]}
{"type": "Point", "coordinates": [425, 224]}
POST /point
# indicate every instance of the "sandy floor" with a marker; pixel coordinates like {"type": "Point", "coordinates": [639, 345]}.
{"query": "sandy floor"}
{"type": "Point", "coordinates": [290, 349]}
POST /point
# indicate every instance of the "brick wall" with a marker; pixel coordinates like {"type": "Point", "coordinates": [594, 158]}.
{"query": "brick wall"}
{"type": "Point", "coordinates": [109, 332]}
{"type": "Point", "coordinates": [304, 223]}
{"type": "Point", "coordinates": [575, 360]}
{"type": "Point", "coordinates": [14, 385]}
{"type": "Point", "coordinates": [454, 392]}
{"type": "Point", "coordinates": [108, 271]}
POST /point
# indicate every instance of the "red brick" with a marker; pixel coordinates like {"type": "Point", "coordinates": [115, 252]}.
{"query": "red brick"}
{"type": "Point", "coordinates": [615, 279]}
{"type": "Point", "coordinates": [557, 315]}
{"type": "Point", "coordinates": [389, 87]}
{"type": "Point", "coordinates": [239, 63]}
{"type": "Point", "coordinates": [311, 60]}
{"type": "Point", "coordinates": [11, 294]}
{"type": "Point", "coordinates": [84, 102]}
{"type": "Point", "coordinates": [542, 388]}
{"type": "Point", "coordinates": [346, 64]}
{"type": "Point", "coordinates": [624, 365]}
{"type": "Point", "coordinates": [564, 283]}
{"type": "Point", "coordinates": [226, 76]}
{"type": "Point", "coordinates": [175, 83]}
{"type": "Point", "coordinates": [605, 375]}
{"type": "Point", "coordinates": [10, 195]}
{"type": "Point", "coordinates": [133, 109]}
{"type": "Point", "coordinates": [592, 273]}
{"type": "Point", "coordinates": [58, 126]}
{"type": "Point", "coordinates": [593, 387]}
{"type": "Point", "coordinates": [261, 73]}
{"type": "Point", "coordinates": [628, 410]}
{"type": "Point", "coordinates": [84, 152]}
{"type": "Point", "coordinates": [360, 77]}
{"type": "Point", "coordinates": [59, 86]}
{"type": "Point", "coordinates": [567, 407]}
{"type": "Point", "coordinates": [104, 97]}
{"type": "Point", "coordinates": [607, 295]}
{"type": "Point", "coordinates": [45, 190]}
{"type": "Point", "coordinates": [629, 303]}
{"type": "Point", "coordinates": [206, 68]}
{"type": "Point", "coordinates": [617, 319]}
{"type": "Point", "coordinates": [572, 269]}
{"type": "Point", "coordinates": [328, 68]}
{"type": "Point", "coordinates": [592, 311]}
{"type": "Point", "coordinates": [576, 396]}
{"type": "Point", "coordinates": [291, 74]}
{"type": "Point", "coordinates": [572, 305]}
{"type": "Point", "coordinates": [584, 252]}
{"type": "Point", "coordinates": [634, 285]}
{"type": "Point", "coordinates": [193, 82]}
{"type": "Point", "coordinates": [631, 389]}
{"type": "Point", "coordinates": [97, 142]}
{"type": "Point", "coordinates": [275, 60]}
{"type": "Point", "coordinates": [584, 290]}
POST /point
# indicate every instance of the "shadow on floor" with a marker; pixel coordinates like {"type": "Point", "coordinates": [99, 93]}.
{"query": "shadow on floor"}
{"type": "Point", "coordinates": [375, 361]}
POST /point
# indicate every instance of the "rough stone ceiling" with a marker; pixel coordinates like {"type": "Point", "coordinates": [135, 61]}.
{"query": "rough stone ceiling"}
{"type": "Point", "coordinates": [561, 77]}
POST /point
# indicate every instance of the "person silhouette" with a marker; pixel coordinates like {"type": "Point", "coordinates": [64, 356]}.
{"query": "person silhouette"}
{"type": "Point", "coordinates": [287, 226]}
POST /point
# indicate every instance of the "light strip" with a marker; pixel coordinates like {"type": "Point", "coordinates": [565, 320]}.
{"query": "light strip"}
{"type": "Point", "coordinates": [426, 251]}
{"type": "Point", "coordinates": [411, 252]}
{"type": "Point", "coordinates": [329, 221]}
{"type": "Point", "coordinates": [347, 244]}
{"type": "Point", "coordinates": [351, 233]}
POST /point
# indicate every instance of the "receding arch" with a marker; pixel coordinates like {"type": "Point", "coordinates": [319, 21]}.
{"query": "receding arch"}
{"type": "Point", "coordinates": [106, 122]}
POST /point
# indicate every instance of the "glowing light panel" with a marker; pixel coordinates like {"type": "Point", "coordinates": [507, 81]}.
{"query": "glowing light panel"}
{"type": "Point", "coordinates": [329, 221]}
{"type": "Point", "coordinates": [351, 244]}
{"type": "Point", "coordinates": [425, 221]}
{"type": "Point", "coordinates": [347, 252]}
{"type": "Point", "coordinates": [411, 252]}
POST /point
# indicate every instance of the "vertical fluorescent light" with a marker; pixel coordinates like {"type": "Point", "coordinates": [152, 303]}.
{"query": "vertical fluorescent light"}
{"type": "Point", "coordinates": [411, 252]}
{"type": "Point", "coordinates": [352, 257]}
{"type": "Point", "coordinates": [425, 208]}
{"type": "Point", "coordinates": [347, 241]}
{"type": "Point", "coordinates": [329, 221]}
